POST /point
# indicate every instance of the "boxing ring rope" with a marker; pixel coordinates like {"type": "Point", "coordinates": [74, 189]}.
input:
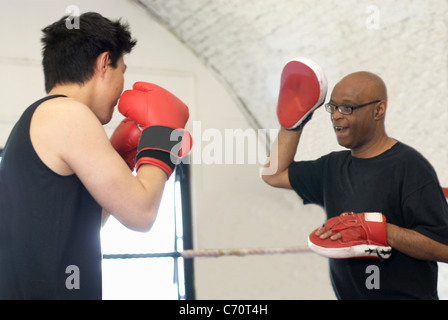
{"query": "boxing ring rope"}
{"type": "Point", "coordinates": [212, 253]}
{"type": "Point", "coordinates": [216, 253]}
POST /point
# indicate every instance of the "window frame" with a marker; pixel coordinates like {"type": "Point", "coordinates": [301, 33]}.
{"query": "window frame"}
{"type": "Point", "coordinates": [181, 176]}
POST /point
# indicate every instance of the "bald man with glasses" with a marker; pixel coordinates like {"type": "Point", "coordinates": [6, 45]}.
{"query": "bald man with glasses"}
{"type": "Point", "coordinates": [375, 174]}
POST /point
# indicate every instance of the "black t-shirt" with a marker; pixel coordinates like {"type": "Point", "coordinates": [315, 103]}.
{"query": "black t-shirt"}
{"type": "Point", "coordinates": [402, 185]}
{"type": "Point", "coordinates": [49, 226]}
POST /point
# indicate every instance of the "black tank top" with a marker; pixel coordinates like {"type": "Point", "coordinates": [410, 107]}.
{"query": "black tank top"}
{"type": "Point", "coordinates": [49, 226]}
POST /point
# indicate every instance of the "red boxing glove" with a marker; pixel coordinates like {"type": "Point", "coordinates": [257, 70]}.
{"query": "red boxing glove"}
{"type": "Point", "coordinates": [162, 116]}
{"type": "Point", "coordinates": [125, 140]}
{"type": "Point", "coordinates": [303, 89]}
{"type": "Point", "coordinates": [363, 236]}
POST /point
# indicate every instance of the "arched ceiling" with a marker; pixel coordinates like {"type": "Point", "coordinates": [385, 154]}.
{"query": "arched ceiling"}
{"type": "Point", "coordinates": [246, 43]}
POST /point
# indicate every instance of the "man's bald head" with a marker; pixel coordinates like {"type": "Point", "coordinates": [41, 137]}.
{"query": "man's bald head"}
{"type": "Point", "coordinates": [360, 87]}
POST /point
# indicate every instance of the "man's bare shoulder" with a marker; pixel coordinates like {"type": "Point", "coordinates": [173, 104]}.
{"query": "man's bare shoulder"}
{"type": "Point", "coordinates": [64, 109]}
{"type": "Point", "coordinates": [59, 125]}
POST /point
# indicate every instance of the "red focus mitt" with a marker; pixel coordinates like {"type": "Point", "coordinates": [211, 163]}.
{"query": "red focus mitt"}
{"type": "Point", "coordinates": [363, 236]}
{"type": "Point", "coordinates": [303, 89]}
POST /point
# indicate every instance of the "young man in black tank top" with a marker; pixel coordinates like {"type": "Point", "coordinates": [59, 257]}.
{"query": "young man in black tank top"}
{"type": "Point", "coordinates": [60, 174]}
{"type": "Point", "coordinates": [376, 174]}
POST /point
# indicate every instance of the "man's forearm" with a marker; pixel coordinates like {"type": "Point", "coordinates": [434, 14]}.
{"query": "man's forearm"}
{"type": "Point", "coordinates": [283, 150]}
{"type": "Point", "coordinates": [415, 244]}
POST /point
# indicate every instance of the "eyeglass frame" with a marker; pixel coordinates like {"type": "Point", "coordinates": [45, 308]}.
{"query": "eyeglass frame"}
{"type": "Point", "coordinates": [329, 107]}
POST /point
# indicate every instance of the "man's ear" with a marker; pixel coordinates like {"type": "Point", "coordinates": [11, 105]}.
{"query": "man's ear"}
{"type": "Point", "coordinates": [380, 110]}
{"type": "Point", "coordinates": [102, 62]}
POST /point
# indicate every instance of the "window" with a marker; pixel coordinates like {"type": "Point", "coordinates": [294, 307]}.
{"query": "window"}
{"type": "Point", "coordinates": [145, 265]}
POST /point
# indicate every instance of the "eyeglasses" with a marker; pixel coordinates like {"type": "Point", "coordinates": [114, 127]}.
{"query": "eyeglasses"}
{"type": "Point", "coordinates": [347, 110]}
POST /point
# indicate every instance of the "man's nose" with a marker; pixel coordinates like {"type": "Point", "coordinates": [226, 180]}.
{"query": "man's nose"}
{"type": "Point", "coordinates": [336, 115]}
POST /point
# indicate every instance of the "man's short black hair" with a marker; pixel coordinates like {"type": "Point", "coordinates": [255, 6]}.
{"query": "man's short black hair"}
{"type": "Point", "coordinates": [69, 54]}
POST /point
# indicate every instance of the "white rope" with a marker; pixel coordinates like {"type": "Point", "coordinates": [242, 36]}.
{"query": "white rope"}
{"type": "Point", "coordinates": [241, 252]}
{"type": "Point", "coordinates": [212, 253]}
